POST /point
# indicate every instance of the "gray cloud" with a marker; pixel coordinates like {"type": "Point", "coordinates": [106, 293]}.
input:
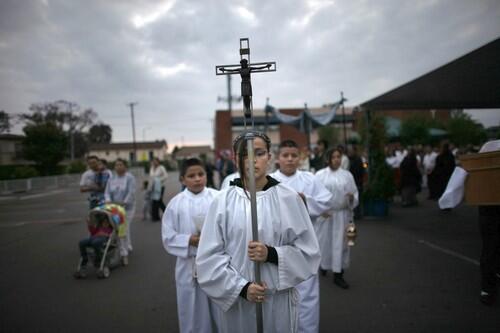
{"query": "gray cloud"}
{"type": "Point", "coordinates": [94, 53]}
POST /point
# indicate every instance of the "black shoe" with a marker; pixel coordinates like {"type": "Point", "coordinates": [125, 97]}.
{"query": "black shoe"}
{"type": "Point", "coordinates": [322, 271]}
{"type": "Point", "coordinates": [338, 279]}
{"type": "Point", "coordinates": [487, 298]}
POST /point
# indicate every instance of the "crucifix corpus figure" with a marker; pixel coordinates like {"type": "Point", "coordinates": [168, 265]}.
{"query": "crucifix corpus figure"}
{"type": "Point", "coordinates": [245, 69]}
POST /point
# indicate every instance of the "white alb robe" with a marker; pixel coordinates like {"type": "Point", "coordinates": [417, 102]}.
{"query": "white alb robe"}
{"type": "Point", "coordinates": [331, 230]}
{"type": "Point", "coordinates": [178, 224]}
{"type": "Point", "coordinates": [318, 201]}
{"type": "Point", "coordinates": [228, 179]}
{"type": "Point", "coordinates": [224, 267]}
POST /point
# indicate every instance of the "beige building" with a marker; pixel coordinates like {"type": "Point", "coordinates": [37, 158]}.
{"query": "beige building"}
{"type": "Point", "coordinates": [194, 151]}
{"type": "Point", "coordinates": [125, 150]}
{"type": "Point", "coordinates": [11, 149]}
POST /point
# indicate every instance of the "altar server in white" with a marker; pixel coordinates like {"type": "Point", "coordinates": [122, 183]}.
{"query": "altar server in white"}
{"type": "Point", "coordinates": [317, 199]}
{"type": "Point", "coordinates": [181, 227]}
{"type": "Point", "coordinates": [331, 227]}
{"type": "Point", "coordinates": [287, 249]}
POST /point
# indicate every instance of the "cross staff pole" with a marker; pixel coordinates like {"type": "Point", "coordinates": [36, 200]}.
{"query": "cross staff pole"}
{"type": "Point", "coordinates": [245, 69]}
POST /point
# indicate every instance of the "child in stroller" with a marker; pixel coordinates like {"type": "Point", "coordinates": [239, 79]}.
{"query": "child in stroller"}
{"type": "Point", "coordinates": [103, 224]}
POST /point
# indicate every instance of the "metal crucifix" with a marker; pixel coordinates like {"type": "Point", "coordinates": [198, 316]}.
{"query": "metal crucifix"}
{"type": "Point", "coordinates": [245, 69]}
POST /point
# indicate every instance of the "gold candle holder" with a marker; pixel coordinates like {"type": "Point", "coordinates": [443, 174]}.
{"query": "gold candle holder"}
{"type": "Point", "coordinates": [351, 234]}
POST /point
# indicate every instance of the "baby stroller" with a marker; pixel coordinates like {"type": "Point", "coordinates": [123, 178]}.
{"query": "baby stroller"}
{"type": "Point", "coordinates": [114, 216]}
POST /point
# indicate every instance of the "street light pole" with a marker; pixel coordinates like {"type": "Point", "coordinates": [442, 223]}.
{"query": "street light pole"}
{"type": "Point", "coordinates": [133, 129]}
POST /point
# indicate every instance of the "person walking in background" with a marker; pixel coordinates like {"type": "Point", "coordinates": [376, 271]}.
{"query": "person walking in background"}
{"type": "Point", "coordinates": [209, 168]}
{"type": "Point", "coordinates": [445, 164]}
{"type": "Point", "coordinates": [344, 163]}
{"type": "Point", "coordinates": [411, 179]}
{"type": "Point", "coordinates": [89, 182]}
{"type": "Point", "coordinates": [146, 207]}
{"type": "Point", "coordinates": [318, 161]}
{"type": "Point", "coordinates": [157, 178]}
{"type": "Point", "coordinates": [429, 162]}
{"type": "Point", "coordinates": [121, 190]}
{"type": "Point", "coordinates": [331, 226]}
{"type": "Point", "coordinates": [357, 170]}
{"type": "Point", "coordinates": [225, 166]}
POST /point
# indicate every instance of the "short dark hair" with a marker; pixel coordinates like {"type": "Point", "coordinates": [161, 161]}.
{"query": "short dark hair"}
{"type": "Point", "coordinates": [123, 161]}
{"type": "Point", "coordinates": [288, 144]}
{"type": "Point", "coordinates": [104, 161]}
{"type": "Point", "coordinates": [324, 142]}
{"type": "Point", "coordinates": [189, 163]}
{"type": "Point", "coordinates": [92, 157]}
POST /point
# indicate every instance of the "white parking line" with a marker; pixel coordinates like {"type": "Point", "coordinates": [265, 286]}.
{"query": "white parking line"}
{"type": "Point", "coordinates": [55, 221]}
{"type": "Point", "coordinates": [449, 252]}
{"type": "Point", "coordinates": [39, 195]}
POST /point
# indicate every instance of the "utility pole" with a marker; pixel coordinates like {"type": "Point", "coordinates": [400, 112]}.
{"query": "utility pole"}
{"type": "Point", "coordinates": [343, 120]}
{"type": "Point", "coordinates": [266, 112]}
{"type": "Point", "coordinates": [307, 126]}
{"type": "Point", "coordinates": [70, 106]}
{"type": "Point", "coordinates": [133, 129]}
{"type": "Point", "coordinates": [229, 99]}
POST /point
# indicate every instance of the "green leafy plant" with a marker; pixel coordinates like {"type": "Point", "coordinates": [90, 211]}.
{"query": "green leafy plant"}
{"type": "Point", "coordinates": [381, 178]}
{"type": "Point", "coordinates": [77, 167]}
{"type": "Point", "coordinates": [25, 172]}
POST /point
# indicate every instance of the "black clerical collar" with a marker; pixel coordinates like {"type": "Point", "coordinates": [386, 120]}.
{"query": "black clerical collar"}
{"type": "Point", "coordinates": [270, 183]}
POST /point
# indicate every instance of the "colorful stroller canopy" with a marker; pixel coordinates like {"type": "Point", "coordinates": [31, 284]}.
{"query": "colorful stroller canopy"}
{"type": "Point", "coordinates": [114, 213]}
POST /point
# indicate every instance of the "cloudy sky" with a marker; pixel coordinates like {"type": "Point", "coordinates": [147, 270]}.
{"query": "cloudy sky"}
{"type": "Point", "coordinates": [162, 54]}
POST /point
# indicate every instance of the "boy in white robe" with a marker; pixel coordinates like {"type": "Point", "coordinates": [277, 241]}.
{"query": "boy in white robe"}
{"type": "Point", "coordinates": [317, 199]}
{"type": "Point", "coordinates": [181, 226]}
{"type": "Point", "coordinates": [331, 227]}
{"type": "Point", "coordinates": [287, 249]}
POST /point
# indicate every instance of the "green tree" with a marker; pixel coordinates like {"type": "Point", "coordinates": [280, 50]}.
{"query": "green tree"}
{"type": "Point", "coordinates": [45, 144]}
{"type": "Point", "coordinates": [329, 134]}
{"type": "Point", "coordinates": [100, 133]}
{"type": "Point", "coordinates": [68, 117]}
{"type": "Point", "coordinates": [463, 130]}
{"type": "Point", "coordinates": [4, 122]}
{"type": "Point", "coordinates": [415, 130]}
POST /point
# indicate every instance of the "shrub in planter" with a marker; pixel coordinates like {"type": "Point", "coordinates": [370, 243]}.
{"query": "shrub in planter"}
{"type": "Point", "coordinates": [25, 172]}
{"type": "Point", "coordinates": [77, 167]}
{"type": "Point", "coordinates": [380, 188]}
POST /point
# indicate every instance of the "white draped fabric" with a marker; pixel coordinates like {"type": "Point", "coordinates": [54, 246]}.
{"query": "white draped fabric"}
{"type": "Point", "coordinates": [454, 193]}
{"type": "Point", "coordinates": [224, 267]}
{"type": "Point", "coordinates": [331, 230]}
{"type": "Point", "coordinates": [320, 119]}
{"type": "Point", "coordinates": [318, 201]}
{"type": "Point", "coordinates": [178, 224]}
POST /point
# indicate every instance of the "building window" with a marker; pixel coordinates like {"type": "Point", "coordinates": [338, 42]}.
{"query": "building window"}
{"type": "Point", "coordinates": [151, 155]}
